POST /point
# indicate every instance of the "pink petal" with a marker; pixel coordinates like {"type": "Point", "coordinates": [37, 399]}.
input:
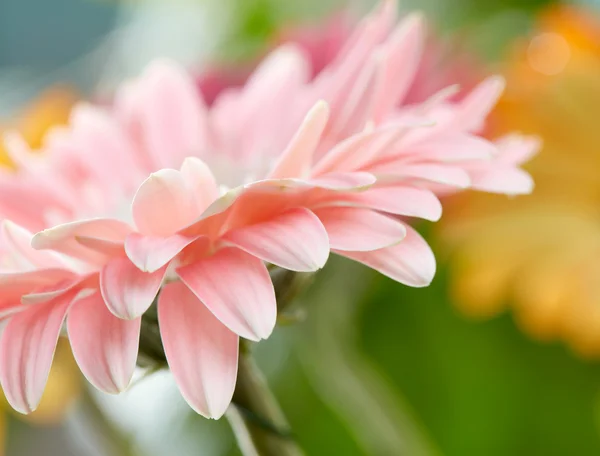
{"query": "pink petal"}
{"type": "Point", "coordinates": [359, 102]}
{"type": "Point", "coordinates": [127, 291]}
{"type": "Point", "coordinates": [295, 240]}
{"type": "Point", "coordinates": [63, 238]}
{"type": "Point", "coordinates": [201, 352]}
{"type": "Point", "coordinates": [150, 253]}
{"type": "Point", "coordinates": [411, 262]}
{"type": "Point", "coordinates": [355, 181]}
{"type": "Point", "coordinates": [346, 155]}
{"type": "Point", "coordinates": [26, 351]}
{"type": "Point", "coordinates": [357, 229]}
{"type": "Point", "coordinates": [163, 204]}
{"type": "Point", "coordinates": [18, 240]}
{"type": "Point", "coordinates": [475, 107]}
{"type": "Point", "coordinates": [452, 147]}
{"type": "Point", "coordinates": [200, 180]}
{"type": "Point", "coordinates": [237, 289]}
{"type": "Point", "coordinates": [13, 285]}
{"type": "Point", "coordinates": [403, 55]}
{"type": "Point", "coordinates": [56, 289]}
{"type": "Point", "coordinates": [453, 176]}
{"type": "Point", "coordinates": [501, 179]}
{"type": "Point", "coordinates": [400, 200]}
{"type": "Point", "coordinates": [297, 157]}
{"type": "Point", "coordinates": [172, 114]}
{"type": "Point", "coordinates": [517, 149]}
{"type": "Point", "coordinates": [105, 347]}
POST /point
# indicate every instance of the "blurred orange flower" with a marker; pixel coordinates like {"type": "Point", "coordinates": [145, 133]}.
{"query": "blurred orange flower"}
{"type": "Point", "coordinates": [50, 109]}
{"type": "Point", "coordinates": [541, 253]}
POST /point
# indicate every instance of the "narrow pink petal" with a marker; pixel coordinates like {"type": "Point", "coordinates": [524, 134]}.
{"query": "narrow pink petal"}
{"type": "Point", "coordinates": [359, 102]}
{"type": "Point", "coordinates": [297, 157]}
{"type": "Point", "coordinates": [237, 289]}
{"type": "Point", "coordinates": [108, 248]}
{"type": "Point", "coordinates": [163, 204]}
{"type": "Point", "coordinates": [400, 200]}
{"type": "Point", "coordinates": [63, 238]}
{"type": "Point", "coordinates": [295, 240]}
{"type": "Point", "coordinates": [411, 262]}
{"type": "Point", "coordinates": [452, 147]}
{"type": "Point", "coordinates": [201, 352]}
{"type": "Point", "coordinates": [517, 149]}
{"type": "Point", "coordinates": [358, 229]}
{"type": "Point", "coordinates": [403, 55]}
{"type": "Point", "coordinates": [345, 155]}
{"type": "Point", "coordinates": [344, 181]}
{"type": "Point", "coordinates": [105, 347]}
{"type": "Point", "coordinates": [13, 285]}
{"type": "Point", "coordinates": [172, 114]}
{"type": "Point", "coordinates": [104, 147]}
{"type": "Point", "coordinates": [453, 176]}
{"type": "Point", "coordinates": [502, 179]}
{"type": "Point", "coordinates": [18, 240]}
{"type": "Point", "coordinates": [26, 351]}
{"type": "Point", "coordinates": [127, 291]}
{"type": "Point", "coordinates": [57, 289]}
{"type": "Point", "coordinates": [201, 182]}
{"type": "Point", "coordinates": [475, 107]}
{"type": "Point", "coordinates": [150, 253]}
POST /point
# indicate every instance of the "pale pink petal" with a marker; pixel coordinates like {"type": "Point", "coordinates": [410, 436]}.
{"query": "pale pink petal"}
{"type": "Point", "coordinates": [359, 102]}
{"type": "Point", "coordinates": [362, 149]}
{"type": "Point", "coordinates": [515, 149]}
{"type": "Point", "coordinates": [295, 240]}
{"type": "Point", "coordinates": [13, 285]}
{"type": "Point", "coordinates": [201, 182]}
{"type": "Point", "coordinates": [295, 161]}
{"type": "Point", "coordinates": [453, 176]}
{"type": "Point", "coordinates": [150, 253]}
{"type": "Point", "coordinates": [172, 114]}
{"type": "Point", "coordinates": [56, 289]}
{"type": "Point", "coordinates": [26, 351]}
{"type": "Point", "coordinates": [108, 248]}
{"type": "Point", "coordinates": [358, 229]}
{"type": "Point", "coordinates": [201, 352]}
{"type": "Point", "coordinates": [400, 200]}
{"type": "Point", "coordinates": [237, 289]}
{"type": "Point", "coordinates": [63, 238]}
{"type": "Point", "coordinates": [501, 179]}
{"type": "Point", "coordinates": [18, 240]}
{"type": "Point", "coordinates": [403, 54]}
{"type": "Point", "coordinates": [105, 347]}
{"type": "Point", "coordinates": [127, 291]}
{"type": "Point", "coordinates": [344, 181]}
{"type": "Point", "coordinates": [104, 147]}
{"type": "Point", "coordinates": [346, 155]}
{"type": "Point", "coordinates": [475, 107]}
{"type": "Point", "coordinates": [163, 204]}
{"type": "Point", "coordinates": [411, 262]}
{"type": "Point", "coordinates": [452, 147]}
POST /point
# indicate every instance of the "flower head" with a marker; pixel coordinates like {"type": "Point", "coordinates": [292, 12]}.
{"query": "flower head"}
{"type": "Point", "coordinates": [162, 193]}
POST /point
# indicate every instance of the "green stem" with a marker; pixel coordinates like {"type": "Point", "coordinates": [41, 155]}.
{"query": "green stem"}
{"type": "Point", "coordinates": [255, 417]}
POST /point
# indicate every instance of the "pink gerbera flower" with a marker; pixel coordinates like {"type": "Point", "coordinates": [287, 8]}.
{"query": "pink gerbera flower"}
{"type": "Point", "coordinates": [161, 195]}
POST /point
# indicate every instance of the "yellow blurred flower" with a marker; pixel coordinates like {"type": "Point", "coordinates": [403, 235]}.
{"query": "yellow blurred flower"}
{"type": "Point", "coordinates": [540, 254]}
{"type": "Point", "coordinates": [50, 109]}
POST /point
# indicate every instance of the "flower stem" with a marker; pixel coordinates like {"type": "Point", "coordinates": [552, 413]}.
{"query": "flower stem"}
{"type": "Point", "coordinates": [255, 417]}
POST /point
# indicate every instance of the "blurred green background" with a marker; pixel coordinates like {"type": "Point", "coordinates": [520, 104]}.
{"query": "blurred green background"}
{"type": "Point", "coordinates": [376, 368]}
